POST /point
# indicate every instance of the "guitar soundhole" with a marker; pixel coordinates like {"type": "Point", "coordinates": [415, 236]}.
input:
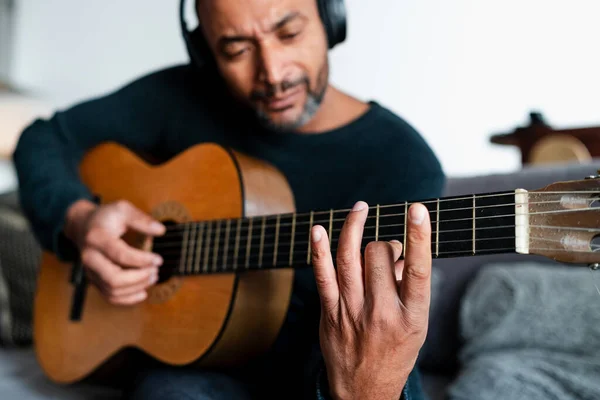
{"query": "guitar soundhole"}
{"type": "Point", "coordinates": [169, 248]}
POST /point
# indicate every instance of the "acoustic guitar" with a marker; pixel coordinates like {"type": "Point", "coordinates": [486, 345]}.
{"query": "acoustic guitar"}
{"type": "Point", "coordinates": [233, 241]}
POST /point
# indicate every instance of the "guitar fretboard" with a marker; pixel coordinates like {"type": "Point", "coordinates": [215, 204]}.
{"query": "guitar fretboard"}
{"type": "Point", "coordinates": [460, 226]}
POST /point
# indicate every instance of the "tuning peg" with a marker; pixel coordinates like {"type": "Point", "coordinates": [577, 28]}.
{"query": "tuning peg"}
{"type": "Point", "coordinates": [594, 267]}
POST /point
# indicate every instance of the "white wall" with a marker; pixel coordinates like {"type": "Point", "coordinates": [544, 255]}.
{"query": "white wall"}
{"type": "Point", "coordinates": [457, 70]}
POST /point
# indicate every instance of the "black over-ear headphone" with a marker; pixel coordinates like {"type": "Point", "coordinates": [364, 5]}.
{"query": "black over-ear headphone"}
{"type": "Point", "coordinates": [332, 12]}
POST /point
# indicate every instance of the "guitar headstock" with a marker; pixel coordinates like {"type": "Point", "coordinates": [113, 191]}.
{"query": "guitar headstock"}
{"type": "Point", "coordinates": [563, 221]}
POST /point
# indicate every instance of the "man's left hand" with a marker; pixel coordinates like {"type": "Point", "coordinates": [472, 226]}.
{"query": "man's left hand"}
{"type": "Point", "coordinates": [372, 326]}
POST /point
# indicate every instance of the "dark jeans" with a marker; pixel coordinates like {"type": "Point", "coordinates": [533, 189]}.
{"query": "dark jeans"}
{"type": "Point", "coordinates": [187, 384]}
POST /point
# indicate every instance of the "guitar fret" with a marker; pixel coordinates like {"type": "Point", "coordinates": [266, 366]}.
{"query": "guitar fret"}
{"type": "Point", "coordinates": [330, 227]}
{"type": "Point", "coordinates": [309, 237]}
{"type": "Point", "coordinates": [192, 241]}
{"type": "Point", "coordinates": [207, 248]}
{"type": "Point", "coordinates": [437, 230]}
{"type": "Point", "coordinates": [277, 223]}
{"type": "Point", "coordinates": [262, 242]}
{"type": "Point", "coordinates": [226, 247]}
{"type": "Point", "coordinates": [216, 252]}
{"type": "Point", "coordinates": [377, 224]}
{"type": "Point", "coordinates": [249, 241]}
{"type": "Point", "coordinates": [196, 268]}
{"type": "Point", "coordinates": [237, 244]}
{"type": "Point", "coordinates": [474, 219]}
{"type": "Point", "coordinates": [405, 220]}
{"type": "Point", "coordinates": [184, 247]}
{"type": "Point", "coordinates": [292, 242]}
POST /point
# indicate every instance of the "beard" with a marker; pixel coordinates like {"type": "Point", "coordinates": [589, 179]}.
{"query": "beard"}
{"type": "Point", "coordinates": [314, 98]}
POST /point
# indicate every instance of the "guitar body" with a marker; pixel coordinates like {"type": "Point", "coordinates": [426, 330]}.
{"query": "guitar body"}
{"type": "Point", "coordinates": [208, 320]}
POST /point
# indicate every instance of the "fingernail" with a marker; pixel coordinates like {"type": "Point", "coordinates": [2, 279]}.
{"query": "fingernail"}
{"type": "Point", "coordinates": [417, 215]}
{"type": "Point", "coordinates": [153, 278]}
{"type": "Point", "coordinates": [157, 261]}
{"type": "Point", "coordinates": [395, 241]}
{"type": "Point", "coordinates": [157, 226]}
{"type": "Point", "coordinates": [316, 236]}
{"type": "Point", "coordinates": [360, 205]}
{"type": "Point", "coordinates": [141, 296]}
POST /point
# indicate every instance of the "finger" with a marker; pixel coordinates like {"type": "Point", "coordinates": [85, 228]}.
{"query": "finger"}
{"type": "Point", "coordinates": [140, 221]}
{"type": "Point", "coordinates": [399, 268]}
{"type": "Point", "coordinates": [397, 249]}
{"type": "Point", "coordinates": [325, 275]}
{"type": "Point", "coordinates": [349, 266]}
{"type": "Point", "coordinates": [415, 287]}
{"type": "Point", "coordinates": [399, 264]}
{"type": "Point", "coordinates": [380, 277]}
{"type": "Point", "coordinates": [129, 300]}
{"type": "Point", "coordinates": [119, 252]}
{"type": "Point", "coordinates": [135, 288]}
{"type": "Point", "coordinates": [112, 276]}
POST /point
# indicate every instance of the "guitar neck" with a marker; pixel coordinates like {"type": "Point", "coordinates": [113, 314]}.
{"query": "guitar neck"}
{"type": "Point", "coordinates": [460, 226]}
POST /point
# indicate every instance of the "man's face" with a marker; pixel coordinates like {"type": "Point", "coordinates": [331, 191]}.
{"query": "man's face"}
{"type": "Point", "coordinates": [272, 54]}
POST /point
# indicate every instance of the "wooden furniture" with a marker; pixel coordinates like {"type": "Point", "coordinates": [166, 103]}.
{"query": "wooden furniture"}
{"type": "Point", "coordinates": [540, 143]}
{"type": "Point", "coordinates": [233, 241]}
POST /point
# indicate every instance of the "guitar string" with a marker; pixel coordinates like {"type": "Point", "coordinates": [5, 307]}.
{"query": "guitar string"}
{"type": "Point", "coordinates": [185, 225]}
{"type": "Point", "coordinates": [269, 256]}
{"type": "Point", "coordinates": [305, 243]}
{"type": "Point", "coordinates": [442, 200]}
{"type": "Point", "coordinates": [593, 249]}
{"type": "Point", "coordinates": [434, 221]}
{"type": "Point", "coordinates": [241, 267]}
{"type": "Point", "coordinates": [170, 234]}
{"type": "Point", "coordinates": [336, 241]}
{"type": "Point", "coordinates": [178, 244]}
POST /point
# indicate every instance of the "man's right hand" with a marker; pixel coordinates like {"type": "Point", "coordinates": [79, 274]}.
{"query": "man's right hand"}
{"type": "Point", "coordinates": [121, 272]}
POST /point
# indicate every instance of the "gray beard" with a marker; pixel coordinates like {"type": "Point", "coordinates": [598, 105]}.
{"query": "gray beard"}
{"type": "Point", "coordinates": [311, 106]}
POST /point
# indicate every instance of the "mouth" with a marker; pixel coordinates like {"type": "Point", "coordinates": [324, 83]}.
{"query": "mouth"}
{"type": "Point", "coordinates": [282, 103]}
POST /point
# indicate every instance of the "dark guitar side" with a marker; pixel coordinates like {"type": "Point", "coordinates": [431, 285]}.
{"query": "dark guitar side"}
{"type": "Point", "coordinates": [208, 320]}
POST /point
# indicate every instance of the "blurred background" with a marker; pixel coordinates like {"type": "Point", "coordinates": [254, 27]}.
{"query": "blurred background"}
{"type": "Point", "coordinates": [460, 71]}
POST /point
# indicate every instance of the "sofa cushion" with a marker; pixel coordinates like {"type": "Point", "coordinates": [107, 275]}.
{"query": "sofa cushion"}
{"type": "Point", "coordinates": [531, 333]}
{"type": "Point", "coordinates": [19, 260]}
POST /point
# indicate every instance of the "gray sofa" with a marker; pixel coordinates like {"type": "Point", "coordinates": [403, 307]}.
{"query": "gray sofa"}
{"type": "Point", "coordinates": [21, 378]}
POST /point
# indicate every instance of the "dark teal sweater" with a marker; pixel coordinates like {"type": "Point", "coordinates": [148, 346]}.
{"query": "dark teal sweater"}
{"type": "Point", "coordinates": [378, 158]}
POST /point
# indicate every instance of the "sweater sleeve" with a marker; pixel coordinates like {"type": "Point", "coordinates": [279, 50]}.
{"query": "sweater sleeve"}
{"type": "Point", "coordinates": [48, 152]}
{"type": "Point", "coordinates": [412, 389]}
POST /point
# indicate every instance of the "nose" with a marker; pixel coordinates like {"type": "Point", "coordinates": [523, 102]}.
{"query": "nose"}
{"type": "Point", "coordinates": [271, 65]}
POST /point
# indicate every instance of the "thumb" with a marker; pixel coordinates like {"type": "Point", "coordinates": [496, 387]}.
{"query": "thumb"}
{"type": "Point", "coordinates": [140, 221]}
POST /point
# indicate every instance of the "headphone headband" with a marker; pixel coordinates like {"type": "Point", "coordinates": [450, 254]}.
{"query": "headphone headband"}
{"type": "Point", "coordinates": [332, 13]}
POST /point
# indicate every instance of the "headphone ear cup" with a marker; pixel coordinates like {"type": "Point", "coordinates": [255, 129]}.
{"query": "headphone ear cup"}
{"type": "Point", "coordinates": [195, 43]}
{"type": "Point", "coordinates": [333, 15]}
{"type": "Point", "coordinates": [198, 47]}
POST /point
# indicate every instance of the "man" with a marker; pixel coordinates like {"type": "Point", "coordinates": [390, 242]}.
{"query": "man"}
{"type": "Point", "coordinates": [266, 94]}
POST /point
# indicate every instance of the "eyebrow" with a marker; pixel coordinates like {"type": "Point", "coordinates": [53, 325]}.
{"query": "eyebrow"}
{"type": "Point", "coordinates": [225, 40]}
